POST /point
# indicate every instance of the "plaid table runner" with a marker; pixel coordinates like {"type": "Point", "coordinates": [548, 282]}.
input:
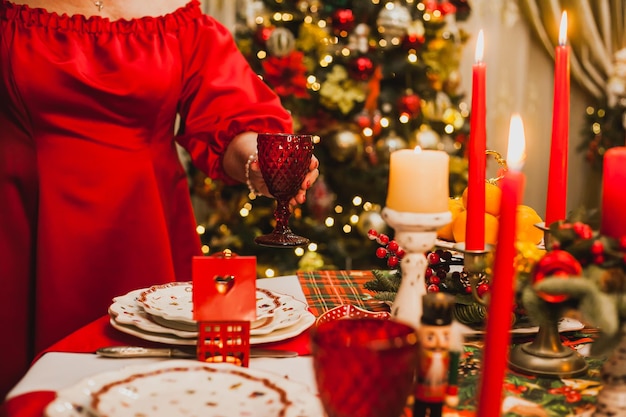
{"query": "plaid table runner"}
{"type": "Point", "coordinates": [325, 290]}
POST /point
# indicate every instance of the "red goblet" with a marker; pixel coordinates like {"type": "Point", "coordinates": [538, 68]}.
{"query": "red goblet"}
{"type": "Point", "coordinates": [284, 161]}
{"type": "Point", "coordinates": [364, 367]}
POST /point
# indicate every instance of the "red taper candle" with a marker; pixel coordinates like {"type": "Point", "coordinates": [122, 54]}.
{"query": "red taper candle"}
{"type": "Point", "coordinates": [475, 225]}
{"type": "Point", "coordinates": [497, 336]}
{"type": "Point", "coordinates": [613, 216]}
{"type": "Point", "coordinates": [557, 177]}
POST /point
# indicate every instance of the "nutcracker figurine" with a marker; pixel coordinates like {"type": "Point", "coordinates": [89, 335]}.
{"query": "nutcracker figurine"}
{"type": "Point", "coordinates": [434, 355]}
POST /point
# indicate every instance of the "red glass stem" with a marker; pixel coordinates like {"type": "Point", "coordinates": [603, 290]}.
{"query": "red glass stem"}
{"type": "Point", "coordinates": [281, 215]}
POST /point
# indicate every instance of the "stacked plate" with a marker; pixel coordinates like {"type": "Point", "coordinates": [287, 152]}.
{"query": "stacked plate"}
{"type": "Point", "coordinates": [185, 388]}
{"type": "Point", "coordinates": [164, 313]}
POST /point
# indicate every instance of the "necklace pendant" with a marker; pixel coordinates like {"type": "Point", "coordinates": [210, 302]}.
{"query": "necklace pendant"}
{"type": "Point", "coordinates": [99, 4]}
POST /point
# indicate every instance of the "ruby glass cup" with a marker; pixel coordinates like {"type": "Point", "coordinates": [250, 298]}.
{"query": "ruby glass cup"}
{"type": "Point", "coordinates": [364, 367]}
{"type": "Point", "coordinates": [284, 161]}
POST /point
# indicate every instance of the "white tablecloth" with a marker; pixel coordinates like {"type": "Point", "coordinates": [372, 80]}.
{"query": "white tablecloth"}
{"type": "Point", "coordinates": [57, 370]}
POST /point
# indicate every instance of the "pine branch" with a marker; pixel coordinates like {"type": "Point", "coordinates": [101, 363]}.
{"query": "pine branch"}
{"type": "Point", "coordinates": [384, 281]}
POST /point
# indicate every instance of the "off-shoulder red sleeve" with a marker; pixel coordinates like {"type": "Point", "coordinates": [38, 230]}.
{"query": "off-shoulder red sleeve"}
{"type": "Point", "coordinates": [221, 96]}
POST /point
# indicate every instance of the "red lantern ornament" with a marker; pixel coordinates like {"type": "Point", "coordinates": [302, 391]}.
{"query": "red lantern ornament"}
{"type": "Point", "coordinates": [361, 68]}
{"type": "Point", "coordinates": [410, 104]}
{"type": "Point", "coordinates": [343, 22]}
{"type": "Point", "coordinates": [558, 264]}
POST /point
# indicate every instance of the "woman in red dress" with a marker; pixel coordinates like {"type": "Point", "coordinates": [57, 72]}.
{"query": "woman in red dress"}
{"type": "Point", "coordinates": [93, 199]}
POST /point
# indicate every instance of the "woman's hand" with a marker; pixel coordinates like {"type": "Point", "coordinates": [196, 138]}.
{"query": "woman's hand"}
{"type": "Point", "coordinates": [241, 153]}
{"type": "Point", "coordinates": [309, 179]}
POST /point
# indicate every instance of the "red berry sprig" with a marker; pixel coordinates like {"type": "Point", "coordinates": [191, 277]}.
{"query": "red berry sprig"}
{"type": "Point", "coordinates": [439, 275]}
{"type": "Point", "coordinates": [389, 249]}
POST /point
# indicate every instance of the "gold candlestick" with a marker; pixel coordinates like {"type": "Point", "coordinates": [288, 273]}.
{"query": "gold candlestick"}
{"type": "Point", "coordinates": [475, 264]}
{"type": "Point", "coordinates": [546, 356]}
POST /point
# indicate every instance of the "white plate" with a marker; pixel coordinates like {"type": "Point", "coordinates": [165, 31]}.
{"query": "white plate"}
{"type": "Point", "coordinates": [306, 321]}
{"type": "Point", "coordinates": [185, 387]}
{"type": "Point", "coordinates": [277, 311]}
{"type": "Point", "coordinates": [173, 301]}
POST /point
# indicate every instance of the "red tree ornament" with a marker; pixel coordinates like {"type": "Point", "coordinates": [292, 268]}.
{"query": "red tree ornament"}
{"type": "Point", "coordinates": [361, 68]}
{"type": "Point", "coordinates": [556, 263]}
{"type": "Point", "coordinates": [343, 22]}
{"type": "Point", "coordinates": [410, 104]}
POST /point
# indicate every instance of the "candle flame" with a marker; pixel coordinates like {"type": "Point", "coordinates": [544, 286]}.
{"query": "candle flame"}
{"type": "Point", "coordinates": [516, 153]}
{"type": "Point", "coordinates": [563, 29]}
{"type": "Point", "coordinates": [480, 47]}
{"type": "Point", "coordinates": [417, 149]}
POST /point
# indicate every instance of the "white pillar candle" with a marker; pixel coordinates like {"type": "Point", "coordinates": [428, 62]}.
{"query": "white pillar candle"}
{"type": "Point", "coordinates": [418, 181]}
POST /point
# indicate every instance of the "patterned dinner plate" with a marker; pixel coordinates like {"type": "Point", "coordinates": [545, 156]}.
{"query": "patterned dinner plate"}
{"type": "Point", "coordinates": [186, 387]}
{"type": "Point", "coordinates": [173, 301]}
{"type": "Point", "coordinates": [306, 321]}
{"type": "Point", "coordinates": [274, 311]}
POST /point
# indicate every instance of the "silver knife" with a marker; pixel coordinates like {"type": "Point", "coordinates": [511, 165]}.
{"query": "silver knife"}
{"type": "Point", "coordinates": [142, 352]}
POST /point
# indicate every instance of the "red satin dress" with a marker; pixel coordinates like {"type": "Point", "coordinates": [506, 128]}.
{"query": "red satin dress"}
{"type": "Point", "coordinates": [93, 199]}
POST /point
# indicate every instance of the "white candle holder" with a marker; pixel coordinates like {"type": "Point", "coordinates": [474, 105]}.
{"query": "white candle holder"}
{"type": "Point", "coordinates": [416, 234]}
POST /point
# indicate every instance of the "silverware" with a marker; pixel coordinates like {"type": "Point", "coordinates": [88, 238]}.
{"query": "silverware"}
{"type": "Point", "coordinates": [142, 352]}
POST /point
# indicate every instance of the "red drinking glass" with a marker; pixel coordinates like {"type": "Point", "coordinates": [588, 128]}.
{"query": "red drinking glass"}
{"type": "Point", "coordinates": [284, 160]}
{"type": "Point", "coordinates": [364, 367]}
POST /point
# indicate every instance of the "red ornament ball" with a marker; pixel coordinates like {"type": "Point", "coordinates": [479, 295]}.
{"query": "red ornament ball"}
{"type": "Point", "coordinates": [361, 68]}
{"type": "Point", "coordinates": [343, 22]}
{"type": "Point", "coordinates": [556, 263]}
{"type": "Point", "coordinates": [410, 104]}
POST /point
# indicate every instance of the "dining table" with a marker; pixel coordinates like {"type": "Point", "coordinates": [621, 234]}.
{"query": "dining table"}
{"type": "Point", "coordinates": [74, 358]}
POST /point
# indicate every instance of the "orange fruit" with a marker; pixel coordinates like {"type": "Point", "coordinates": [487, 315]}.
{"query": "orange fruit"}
{"type": "Point", "coordinates": [492, 198]}
{"type": "Point", "coordinates": [455, 205]}
{"type": "Point", "coordinates": [491, 228]}
{"type": "Point", "coordinates": [526, 219]}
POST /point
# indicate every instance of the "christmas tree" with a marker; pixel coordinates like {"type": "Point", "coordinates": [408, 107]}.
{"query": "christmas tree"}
{"type": "Point", "coordinates": [367, 77]}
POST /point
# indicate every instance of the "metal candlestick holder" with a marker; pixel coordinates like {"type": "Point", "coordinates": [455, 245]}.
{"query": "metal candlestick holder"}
{"type": "Point", "coordinates": [546, 356]}
{"type": "Point", "coordinates": [475, 264]}
{"type": "Point", "coordinates": [416, 234]}
{"type": "Point", "coordinates": [546, 234]}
